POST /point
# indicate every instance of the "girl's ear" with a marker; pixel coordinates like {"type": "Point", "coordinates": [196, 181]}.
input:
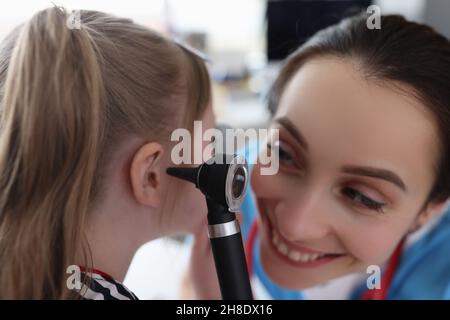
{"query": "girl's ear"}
{"type": "Point", "coordinates": [431, 210]}
{"type": "Point", "coordinates": [145, 174]}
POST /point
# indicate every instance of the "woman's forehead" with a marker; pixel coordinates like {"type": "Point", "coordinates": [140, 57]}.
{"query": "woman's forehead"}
{"type": "Point", "coordinates": [345, 116]}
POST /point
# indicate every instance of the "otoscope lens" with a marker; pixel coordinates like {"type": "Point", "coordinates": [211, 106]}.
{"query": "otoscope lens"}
{"type": "Point", "coordinates": [238, 182]}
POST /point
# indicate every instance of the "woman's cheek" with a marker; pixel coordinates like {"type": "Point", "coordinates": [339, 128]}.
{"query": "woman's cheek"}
{"type": "Point", "coordinates": [371, 244]}
{"type": "Point", "coordinates": [265, 186]}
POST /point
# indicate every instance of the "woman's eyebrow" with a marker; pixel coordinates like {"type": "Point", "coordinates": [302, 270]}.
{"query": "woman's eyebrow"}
{"type": "Point", "coordinates": [293, 130]}
{"type": "Point", "coordinates": [375, 173]}
{"type": "Point", "coordinates": [383, 174]}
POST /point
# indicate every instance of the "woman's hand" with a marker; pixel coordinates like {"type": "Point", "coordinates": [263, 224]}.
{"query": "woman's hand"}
{"type": "Point", "coordinates": [202, 282]}
{"type": "Point", "coordinates": [202, 271]}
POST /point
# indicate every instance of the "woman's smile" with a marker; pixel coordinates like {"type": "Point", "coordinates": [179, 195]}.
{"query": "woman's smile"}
{"type": "Point", "coordinates": [292, 253]}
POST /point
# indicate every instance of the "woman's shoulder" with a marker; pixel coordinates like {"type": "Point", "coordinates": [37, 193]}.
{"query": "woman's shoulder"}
{"type": "Point", "coordinates": [424, 271]}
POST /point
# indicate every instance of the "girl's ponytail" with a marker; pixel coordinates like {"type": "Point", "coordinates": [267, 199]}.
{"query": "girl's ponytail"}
{"type": "Point", "coordinates": [52, 122]}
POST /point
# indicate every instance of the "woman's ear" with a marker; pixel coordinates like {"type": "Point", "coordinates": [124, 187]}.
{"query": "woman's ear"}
{"type": "Point", "coordinates": [145, 174]}
{"type": "Point", "coordinates": [431, 210]}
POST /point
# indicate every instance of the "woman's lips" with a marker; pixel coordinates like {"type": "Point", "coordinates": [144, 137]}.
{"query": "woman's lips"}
{"type": "Point", "coordinates": [292, 253]}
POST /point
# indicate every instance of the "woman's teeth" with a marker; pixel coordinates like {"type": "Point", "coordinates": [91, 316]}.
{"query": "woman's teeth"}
{"type": "Point", "coordinates": [292, 253]}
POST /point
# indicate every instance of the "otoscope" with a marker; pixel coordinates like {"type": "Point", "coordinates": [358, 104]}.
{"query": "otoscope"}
{"type": "Point", "coordinates": [223, 180]}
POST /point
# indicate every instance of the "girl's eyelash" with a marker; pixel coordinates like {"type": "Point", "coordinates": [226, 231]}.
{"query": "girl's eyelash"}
{"type": "Point", "coordinates": [362, 199]}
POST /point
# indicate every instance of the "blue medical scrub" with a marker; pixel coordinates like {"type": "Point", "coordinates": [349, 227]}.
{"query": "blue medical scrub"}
{"type": "Point", "coordinates": [423, 271]}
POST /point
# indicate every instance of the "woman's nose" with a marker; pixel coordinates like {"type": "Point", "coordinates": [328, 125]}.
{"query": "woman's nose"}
{"type": "Point", "coordinates": [303, 218]}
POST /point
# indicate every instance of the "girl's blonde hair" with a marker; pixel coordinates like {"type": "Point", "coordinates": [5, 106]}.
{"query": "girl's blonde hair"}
{"type": "Point", "coordinates": [68, 97]}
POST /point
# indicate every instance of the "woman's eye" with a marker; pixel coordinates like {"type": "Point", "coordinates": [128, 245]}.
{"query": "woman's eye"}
{"type": "Point", "coordinates": [284, 155]}
{"type": "Point", "coordinates": [361, 199]}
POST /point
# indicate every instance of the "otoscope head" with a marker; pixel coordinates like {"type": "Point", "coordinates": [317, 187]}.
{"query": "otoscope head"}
{"type": "Point", "coordinates": [222, 179]}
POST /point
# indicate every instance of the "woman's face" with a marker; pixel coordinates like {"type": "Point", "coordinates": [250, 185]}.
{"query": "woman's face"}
{"type": "Point", "coordinates": [356, 165]}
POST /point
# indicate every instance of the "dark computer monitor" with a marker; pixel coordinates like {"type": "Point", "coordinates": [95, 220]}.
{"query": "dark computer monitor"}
{"type": "Point", "coordinates": [291, 23]}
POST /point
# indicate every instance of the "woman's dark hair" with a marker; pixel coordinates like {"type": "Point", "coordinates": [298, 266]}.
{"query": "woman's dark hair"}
{"type": "Point", "coordinates": [401, 51]}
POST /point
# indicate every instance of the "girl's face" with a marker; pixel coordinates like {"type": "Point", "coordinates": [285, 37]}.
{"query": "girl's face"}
{"type": "Point", "coordinates": [356, 165]}
{"type": "Point", "coordinates": [186, 206]}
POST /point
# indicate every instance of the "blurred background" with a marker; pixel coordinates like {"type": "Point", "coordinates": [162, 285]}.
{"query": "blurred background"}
{"type": "Point", "coordinates": [245, 42]}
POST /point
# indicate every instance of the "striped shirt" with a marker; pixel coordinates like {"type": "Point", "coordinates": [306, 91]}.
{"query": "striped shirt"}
{"type": "Point", "coordinates": [97, 285]}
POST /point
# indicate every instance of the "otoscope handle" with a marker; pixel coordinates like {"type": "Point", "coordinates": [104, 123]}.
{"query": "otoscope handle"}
{"type": "Point", "coordinates": [231, 265]}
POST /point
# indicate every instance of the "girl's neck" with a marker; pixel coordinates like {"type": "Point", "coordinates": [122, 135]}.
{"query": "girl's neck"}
{"type": "Point", "coordinates": [113, 241]}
